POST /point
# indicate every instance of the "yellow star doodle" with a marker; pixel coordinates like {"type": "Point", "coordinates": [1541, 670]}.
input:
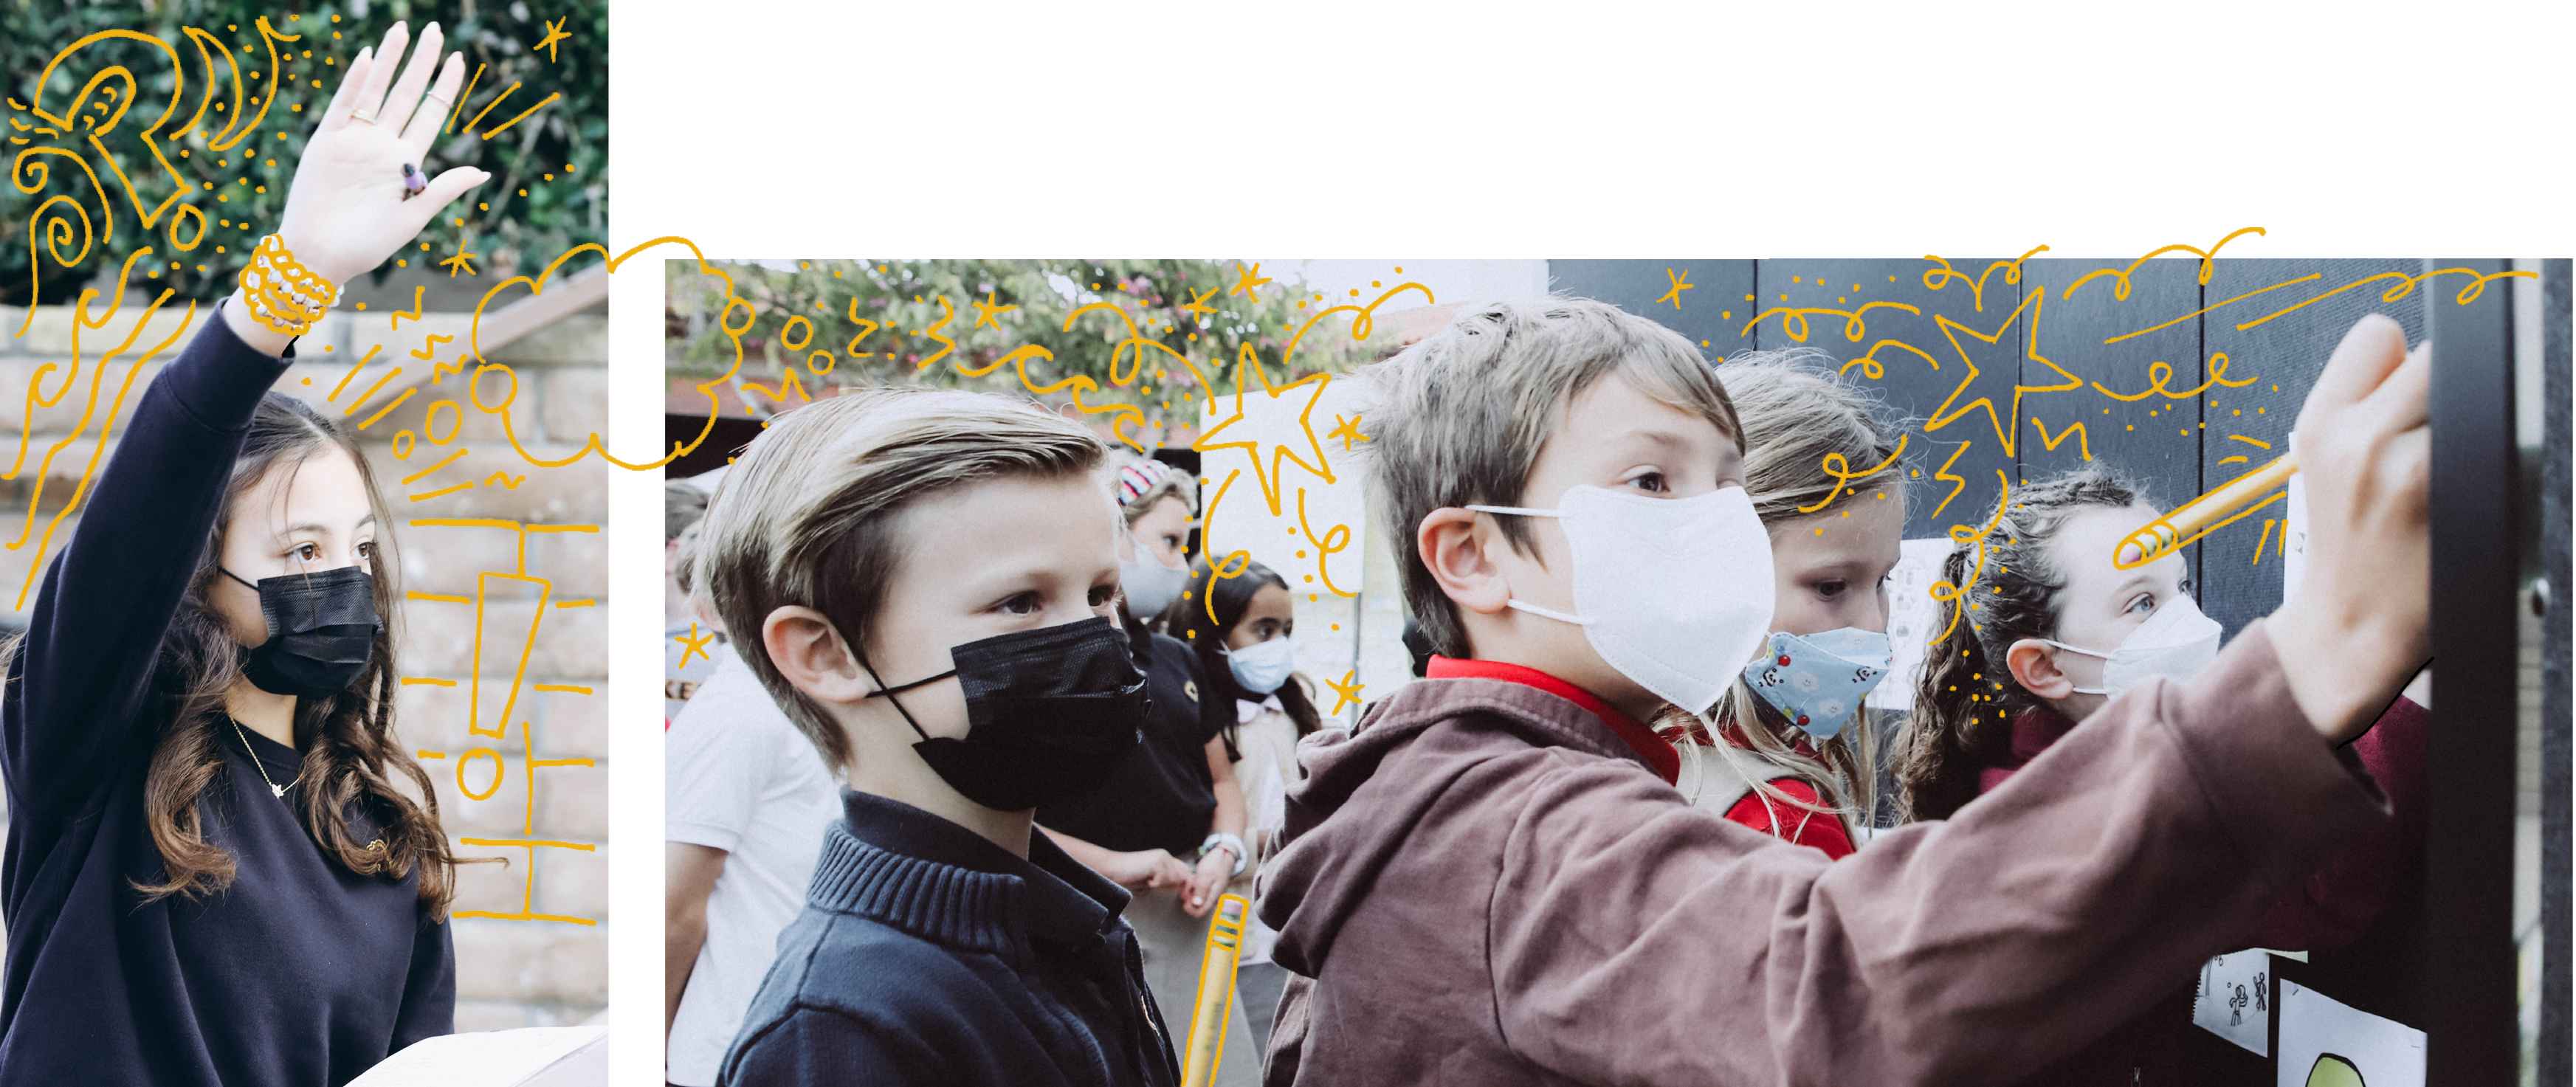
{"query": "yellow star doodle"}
{"type": "Point", "coordinates": [458, 263]}
{"type": "Point", "coordinates": [1680, 283]}
{"type": "Point", "coordinates": [1346, 692]}
{"type": "Point", "coordinates": [988, 314]}
{"type": "Point", "coordinates": [2005, 433]}
{"type": "Point", "coordinates": [1198, 303]}
{"type": "Point", "coordinates": [1268, 475]}
{"type": "Point", "coordinates": [1348, 431]}
{"type": "Point", "coordinates": [554, 33]}
{"type": "Point", "coordinates": [1245, 281]}
{"type": "Point", "coordinates": [694, 642]}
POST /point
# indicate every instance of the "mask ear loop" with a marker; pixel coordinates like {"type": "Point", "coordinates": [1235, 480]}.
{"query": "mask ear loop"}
{"type": "Point", "coordinates": [2104, 690]}
{"type": "Point", "coordinates": [890, 692]}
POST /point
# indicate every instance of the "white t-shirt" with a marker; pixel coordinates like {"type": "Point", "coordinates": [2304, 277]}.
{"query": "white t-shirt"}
{"type": "Point", "coordinates": [738, 777]}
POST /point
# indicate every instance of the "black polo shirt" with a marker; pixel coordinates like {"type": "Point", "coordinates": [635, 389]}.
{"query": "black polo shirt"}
{"type": "Point", "coordinates": [1161, 796]}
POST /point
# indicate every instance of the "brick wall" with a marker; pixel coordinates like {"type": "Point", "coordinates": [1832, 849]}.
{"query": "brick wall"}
{"type": "Point", "coordinates": [511, 972]}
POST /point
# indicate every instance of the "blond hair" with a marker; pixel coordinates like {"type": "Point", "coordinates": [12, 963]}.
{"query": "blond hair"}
{"type": "Point", "coordinates": [1462, 415]}
{"type": "Point", "coordinates": [1799, 414]}
{"type": "Point", "coordinates": [809, 514]}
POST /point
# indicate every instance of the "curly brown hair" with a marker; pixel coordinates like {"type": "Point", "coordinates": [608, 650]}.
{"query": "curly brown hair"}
{"type": "Point", "coordinates": [1966, 700]}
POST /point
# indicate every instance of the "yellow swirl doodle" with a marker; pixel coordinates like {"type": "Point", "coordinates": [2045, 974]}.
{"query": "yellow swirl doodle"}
{"type": "Point", "coordinates": [1121, 415]}
{"type": "Point", "coordinates": [1332, 542]}
{"type": "Point", "coordinates": [1937, 278]}
{"type": "Point", "coordinates": [2120, 276]}
{"type": "Point", "coordinates": [2406, 285]}
{"type": "Point", "coordinates": [2158, 373]}
{"type": "Point", "coordinates": [1839, 467]}
{"type": "Point", "coordinates": [1231, 566]}
{"type": "Point", "coordinates": [947, 313]}
{"type": "Point", "coordinates": [1871, 368]}
{"type": "Point", "coordinates": [1944, 592]}
{"type": "Point", "coordinates": [1793, 319]}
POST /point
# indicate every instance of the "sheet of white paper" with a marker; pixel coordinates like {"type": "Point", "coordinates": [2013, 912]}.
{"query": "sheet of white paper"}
{"type": "Point", "coordinates": [2235, 999]}
{"type": "Point", "coordinates": [499, 1058]}
{"type": "Point", "coordinates": [2319, 1034]}
{"type": "Point", "coordinates": [1913, 617]}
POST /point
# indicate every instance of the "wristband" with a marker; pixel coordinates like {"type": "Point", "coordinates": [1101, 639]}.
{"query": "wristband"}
{"type": "Point", "coordinates": [1228, 842]}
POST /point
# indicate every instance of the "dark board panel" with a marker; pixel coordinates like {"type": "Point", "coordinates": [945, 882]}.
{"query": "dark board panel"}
{"type": "Point", "coordinates": [2116, 346]}
{"type": "Point", "coordinates": [2281, 349]}
{"type": "Point", "coordinates": [1709, 310]}
{"type": "Point", "coordinates": [1890, 313]}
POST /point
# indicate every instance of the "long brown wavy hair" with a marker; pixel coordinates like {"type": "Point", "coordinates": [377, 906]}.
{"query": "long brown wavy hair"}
{"type": "Point", "coordinates": [350, 751]}
{"type": "Point", "coordinates": [1186, 618]}
{"type": "Point", "coordinates": [1966, 699]}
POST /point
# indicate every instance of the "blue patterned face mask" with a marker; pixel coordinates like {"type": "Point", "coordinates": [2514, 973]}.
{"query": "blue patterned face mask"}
{"type": "Point", "coordinates": [1818, 680]}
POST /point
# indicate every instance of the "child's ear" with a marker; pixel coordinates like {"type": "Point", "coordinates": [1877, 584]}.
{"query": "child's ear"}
{"type": "Point", "coordinates": [809, 652]}
{"type": "Point", "coordinates": [2035, 668]}
{"type": "Point", "coordinates": [1454, 550]}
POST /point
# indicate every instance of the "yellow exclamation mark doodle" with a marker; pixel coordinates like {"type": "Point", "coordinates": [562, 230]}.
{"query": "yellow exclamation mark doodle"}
{"type": "Point", "coordinates": [527, 645]}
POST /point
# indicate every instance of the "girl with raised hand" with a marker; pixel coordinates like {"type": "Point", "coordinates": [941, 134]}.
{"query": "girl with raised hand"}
{"type": "Point", "coordinates": [213, 877]}
{"type": "Point", "coordinates": [1800, 757]}
{"type": "Point", "coordinates": [2054, 630]}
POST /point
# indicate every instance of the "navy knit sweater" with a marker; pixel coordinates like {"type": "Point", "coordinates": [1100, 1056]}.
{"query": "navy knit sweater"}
{"type": "Point", "coordinates": [928, 955]}
{"type": "Point", "coordinates": [302, 973]}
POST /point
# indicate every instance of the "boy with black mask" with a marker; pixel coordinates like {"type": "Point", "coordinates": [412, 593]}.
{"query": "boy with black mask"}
{"type": "Point", "coordinates": [924, 579]}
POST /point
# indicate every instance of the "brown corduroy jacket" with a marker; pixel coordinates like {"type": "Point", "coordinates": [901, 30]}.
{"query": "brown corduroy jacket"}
{"type": "Point", "coordinates": [1485, 886]}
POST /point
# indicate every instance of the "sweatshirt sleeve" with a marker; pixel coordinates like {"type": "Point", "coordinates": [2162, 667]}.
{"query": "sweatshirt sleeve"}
{"type": "Point", "coordinates": [429, 995]}
{"type": "Point", "coordinates": [1636, 940]}
{"type": "Point", "coordinates": [2339, 902]}
{"type": "Point", "coordinates": [75, 703]}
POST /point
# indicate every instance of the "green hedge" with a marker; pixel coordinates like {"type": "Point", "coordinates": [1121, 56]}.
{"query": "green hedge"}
{"type": "Point", "coordinates": [569, 209]}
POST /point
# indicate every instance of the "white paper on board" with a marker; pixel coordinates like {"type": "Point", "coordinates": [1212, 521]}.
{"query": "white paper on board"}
{"type": "Point", "coordinates": [2317, 1032]}
{"type": "Point", "coordinates": [2234, 1000]}
{"type": "Point", "coordinates": [1913, 617]}
{"type": "Point", "coordinates": [526, 1057]}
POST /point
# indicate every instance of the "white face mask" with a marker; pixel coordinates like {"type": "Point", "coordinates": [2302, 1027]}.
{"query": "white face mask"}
{"type": "Point", "coordinates": [1675, 593]}
{"type": "Point", "coordinates": [1262, 666]}
{"type": "Point", "coordinates": [2176, 643]}
{"type": "Point", "coordinates": [1150, 585]}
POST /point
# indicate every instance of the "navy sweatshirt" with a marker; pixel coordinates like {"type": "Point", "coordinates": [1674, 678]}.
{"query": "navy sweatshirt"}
{"type": "Point", "coordinates": [928, 955]}
{"type": "Point", "coordinates": [302, 973]}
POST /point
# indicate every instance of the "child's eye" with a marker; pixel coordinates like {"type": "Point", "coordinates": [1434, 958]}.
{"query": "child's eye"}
{"type": "Point", "coordinates": [306, 552]}
{"type": "Point", "coordinates": [1020, 604]}
{"type": "Point", "coordinates": [2145, 602]}
{"type": "Point", "coordinates": [1649, 482]}
{"type": "Point", "coordinates": [367, 551]}
{"type": "Point", "coordinates": [1830, 589]}
{"type": "Point", "coordinates": [1101, 595]}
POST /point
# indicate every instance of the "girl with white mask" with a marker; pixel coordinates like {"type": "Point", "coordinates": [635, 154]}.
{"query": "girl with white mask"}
{"type": "Point", "coordinates": [1800, 753]}
{"type": "Point", "coordinates": [2055, 632]}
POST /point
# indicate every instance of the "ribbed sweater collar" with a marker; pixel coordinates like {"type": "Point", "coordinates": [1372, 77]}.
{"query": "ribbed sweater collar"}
{"type": "Point", "coordinates": [906, 868]}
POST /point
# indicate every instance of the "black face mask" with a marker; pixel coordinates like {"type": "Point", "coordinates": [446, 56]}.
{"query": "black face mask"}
{"type": "Point", "coordinates": [321, 631]}
{"type": "Point", "coordinates": [1049, 714]}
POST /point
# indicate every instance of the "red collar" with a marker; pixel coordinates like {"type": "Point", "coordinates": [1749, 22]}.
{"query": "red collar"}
{"type": "Point", "coordinates": [1658, 754]}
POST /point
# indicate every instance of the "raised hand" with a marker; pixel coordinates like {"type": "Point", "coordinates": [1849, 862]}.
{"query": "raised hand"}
{"type": "Point", "coordinates": [349, 208]}
{"type": "Point", "coordinates": [2358, 626]}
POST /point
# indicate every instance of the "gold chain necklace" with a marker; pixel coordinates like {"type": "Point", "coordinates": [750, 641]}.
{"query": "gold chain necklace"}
{"type": "Point", "coordinates": [274, 789]}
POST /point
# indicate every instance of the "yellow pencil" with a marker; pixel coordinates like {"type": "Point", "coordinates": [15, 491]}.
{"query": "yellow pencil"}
{"type": "Point", "coordinates": [1216, 991]}
{"type": "Point", "coordinates": [2198, 517]}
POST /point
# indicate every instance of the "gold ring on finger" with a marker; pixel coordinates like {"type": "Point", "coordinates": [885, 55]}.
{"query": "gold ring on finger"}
{"type": "Point", "coordinates": [362, 116]}
{"type": "Point", "coordinates": [443, 104]}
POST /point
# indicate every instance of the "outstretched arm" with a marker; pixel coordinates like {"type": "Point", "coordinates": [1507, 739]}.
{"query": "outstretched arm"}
{"type": "Point", "coordinates": [75, 705]}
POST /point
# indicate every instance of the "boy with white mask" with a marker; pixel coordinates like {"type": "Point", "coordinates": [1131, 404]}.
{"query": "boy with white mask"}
{"type": "Point", "coordinates": [2072, 632]}
{"type": "Point", "coordinates": [1492, 880]}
